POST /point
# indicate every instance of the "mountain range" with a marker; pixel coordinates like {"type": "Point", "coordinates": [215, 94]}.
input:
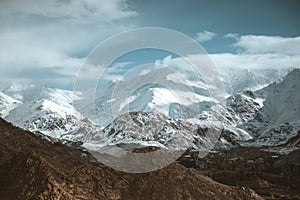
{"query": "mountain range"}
{"type": "Point", "coordinates": [267, 117]}
{"type": "Point", "coordinates": [63, 157]}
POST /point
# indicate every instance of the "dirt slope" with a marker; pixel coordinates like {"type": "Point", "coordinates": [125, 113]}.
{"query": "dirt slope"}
{"type": "Point", "coordinates": [33, 168]}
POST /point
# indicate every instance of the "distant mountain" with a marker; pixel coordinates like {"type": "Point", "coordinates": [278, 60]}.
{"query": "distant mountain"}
{"type": "Point", "coordinates": [238, 80]}
{"type": "Point", "coordinates": [268, 117]}
{"type": "Point", "coordinates": [52, 119]}
{"type": "Point", "coordinates": [265, 117]}
{"type": "Point", "coordinates": [279, 118]}
{"type": "Point", "coordinates": [184, 102]}
{"type": "Point", "coordinates": [49, 111]}
{"type": "Point", "coordinates": [156, 129]}
{"type": "Point", "coordinates": [7, 104]}
{"type": "Point", "coordinates": [29, 93]}
{"type": "Point", "coordinates": [173, 94]}
{"type": "Point", "coordinates": [237, 110]}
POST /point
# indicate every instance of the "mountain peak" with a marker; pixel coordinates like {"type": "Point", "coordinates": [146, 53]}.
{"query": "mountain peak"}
{"type": "Point", "coordinates": [7, 104]}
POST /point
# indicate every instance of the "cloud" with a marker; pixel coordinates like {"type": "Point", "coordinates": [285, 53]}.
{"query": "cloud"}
{"type": "Point", "coordinates": [93, 75]}
{"type": "Point", "coordinates": [54, 37]}
{"type": "Point", "coordinates": [22, 55]}
{"type": "Point", "coordinates": [268, 44]}
{"type": "Point", "coordinates": [255, 61]}
{"type": "Point", "coordinates": [113, 72]}
{"type": "Point", "coordinates": [77, 11]}
{"type": "Point", "coordinates": [242, 61]}
{"type": "Point", "coordinates": [204, 36]}
{"type": "Point", "coordinates": [19, 52]}
{"type": "Point", "coordinates": [232, 35]}
{"type": "Point", "coordinates": [260, 52]}
{"type": "Point", "coordinates": [253, 52]}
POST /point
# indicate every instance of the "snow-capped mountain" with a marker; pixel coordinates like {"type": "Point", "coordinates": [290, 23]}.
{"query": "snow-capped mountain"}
{"type": "Point", "coordinates": [266, 117]}
{"type": "Point", "coordinates": [237, 110]}
{"type": "Point", "coordinates": [279, 118]}
{"type": "Point", "coordinates": [239, 80]}
{"type": "Point", "coordinates": [7, 104]}
{"type": "Point", "coordinates": [23, 92]}
{"type": "Point", "coordinates": [52, 119]}
{"type": "Point", "coordinates": [155, 129]}
{"type": "Point", "coordinates": [190, 97]}
{"type": "Point", "coordinates": [156, 115]}
{"type": "Point", "coordinates": [30, 92]}
{"type": "Point", "coordinates": [174, 94]}
{"type": "Point", "coordinates": [49, 111]}
{"type": "Point", "coordinates": [95, 104]}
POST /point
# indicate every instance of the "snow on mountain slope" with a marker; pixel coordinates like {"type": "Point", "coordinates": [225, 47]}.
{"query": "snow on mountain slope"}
{"type": "Point", "coordinates": [60, 96]}
{"type": "Point", "coordinates": [27, 93]}
{"type": "Point", "coordinates": [239, 80]}
{"type": "Point", "coordinates": [7, 104]}
{"type": "Point", "coordinates": [237, 110]}
{"type": "Point", "coordinates": [173, 94]}
{"type": "Point", "coordinates": [267, 117]}
{"type": "Point", "coordinates": [23, 92]}
{"type": "Point", "coordinates": [95, 104]}
{"type": "Point", "coordinates": [53, 119]}
{"type": "Point", "coordinates": [49, 111]}
{"type": "Point", "coordinates": [279, 118]}
{"type": "Point", "coordinates": [156, 129]}
{"type": "Point", "coordinates": [193, 99]}
{"type": "Point", "coordinates": [282, 103]}
{"type": "Point", "coordinates": [243, 107]}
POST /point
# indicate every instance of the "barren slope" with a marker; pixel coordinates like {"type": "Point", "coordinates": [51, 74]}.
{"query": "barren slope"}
{"type": "Point", "coordinates": [32, 168]}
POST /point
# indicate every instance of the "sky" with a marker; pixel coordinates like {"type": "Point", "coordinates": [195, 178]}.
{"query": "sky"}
{"type": "Point", "coordinates": [46, 42]}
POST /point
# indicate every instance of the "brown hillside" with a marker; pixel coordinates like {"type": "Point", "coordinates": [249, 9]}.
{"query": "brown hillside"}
{"type": "Point", "coordinates": [33, 168]}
